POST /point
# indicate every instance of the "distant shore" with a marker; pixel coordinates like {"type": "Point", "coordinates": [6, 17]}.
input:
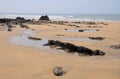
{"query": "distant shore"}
{"type": "Point", "coordinates": [69, 17]}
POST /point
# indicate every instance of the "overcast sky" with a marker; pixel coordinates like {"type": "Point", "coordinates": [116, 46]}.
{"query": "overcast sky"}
{"type": "Point", "coordinates": [60, 6]}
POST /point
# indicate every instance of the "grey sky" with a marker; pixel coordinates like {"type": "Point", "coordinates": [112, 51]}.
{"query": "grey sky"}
{"type": "Point", "coordinates": [60, 6]}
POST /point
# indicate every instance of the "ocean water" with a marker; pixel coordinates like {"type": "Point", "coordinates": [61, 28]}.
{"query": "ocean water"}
{"type": "Point", "coordinates": [69, 17]}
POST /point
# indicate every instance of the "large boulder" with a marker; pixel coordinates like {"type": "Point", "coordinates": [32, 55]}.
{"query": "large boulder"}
{"type": "Point", "coordinates": [44, 18]}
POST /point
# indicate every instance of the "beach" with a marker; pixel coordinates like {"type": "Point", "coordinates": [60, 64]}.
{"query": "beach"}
{"type": "Point", "coordinates": [27, 61]}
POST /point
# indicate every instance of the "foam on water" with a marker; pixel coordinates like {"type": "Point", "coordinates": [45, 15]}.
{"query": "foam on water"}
{"type": "Point", "coordinates": [69, 17]}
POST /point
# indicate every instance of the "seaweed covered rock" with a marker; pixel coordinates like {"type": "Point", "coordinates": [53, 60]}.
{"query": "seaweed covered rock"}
{"type": "Point", "coordinates": [97, 38]}
{"type": "Point", "coordinates": [5, 20]}
{"type": "Point", "coordinates": [44, 18]}
{"type": "Point", "coordinates": [99, 52]}
{"type": "Point", "coordinates": [73, 48]}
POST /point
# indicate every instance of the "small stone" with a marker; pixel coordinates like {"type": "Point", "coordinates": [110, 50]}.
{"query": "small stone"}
{"type": "Point", "coordinates": [58, 71]}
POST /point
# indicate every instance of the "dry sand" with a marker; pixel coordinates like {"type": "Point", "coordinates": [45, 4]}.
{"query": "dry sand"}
{"type": "Point", "coordinates": [21, 62]}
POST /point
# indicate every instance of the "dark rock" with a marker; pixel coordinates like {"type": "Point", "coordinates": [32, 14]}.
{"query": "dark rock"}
{"type": "Point", "coordinates": [97, 38]}
{"type": "Point", "coordinates": [34, 38]}
{"type": "Point", "coordinates": [5, 20]}
{"type": "Point", "coordinates": [58, 71]}
{"type": "Point", "coordinates": [73, 48]}
{"type": "Point", "coordinates": [115, 46]}
{"type": "Point", "coordinates": [98, 52]}
{"type": "Point", "coordinates": [20, 18]}
{"type": "Point", "coordinates": [14, 21]}
{"type": "Point", "coordinates": [81, 30]}
{"type": "Point", "coordinates": [44, 18]}
{"type": "Point", "coordinates": [85, 50]}
{"type": "Point", "coordinates": [91, 23]}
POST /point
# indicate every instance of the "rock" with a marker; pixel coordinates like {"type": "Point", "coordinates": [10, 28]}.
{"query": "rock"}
{"type": "Point", "coordinates": [77, 26]}
{"type": "Point", "coordinates": [98, 52]}
{"type": "Point", "coordinates": [85, 50]}
{"type": "Point", "coordinates": [24, 26]}
{"type": "Point", "coordinates": [20, 18]}
{"type": "Point", "coordinates": [73, 48]}
{"type": "Point", "coordinates": [34, 38]}
{"type": "Point", "coordinates": [58, 71]}
{"type": "Point", "coordinates": [97, 38]}
{"type": "Point", "coordinates": [44, 18]}
{"type": "Point", "coordinates": [60, 35]}
{"type": "Point", "coordinates": [91, 23]}
{"type": "Point", "coordinates": [9, 29]}
{"type": "Point", "coordinates": [5, 20]}
{"type": "Point", "coordinates": [115, 46]}
{"type": "Point", "coordinates": [81, 30]}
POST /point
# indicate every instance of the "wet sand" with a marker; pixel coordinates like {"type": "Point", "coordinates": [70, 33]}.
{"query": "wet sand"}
{"type": "Point", "coordinates": [28, 62]}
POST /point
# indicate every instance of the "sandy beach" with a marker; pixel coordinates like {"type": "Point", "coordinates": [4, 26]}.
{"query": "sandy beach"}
{"type": "Point", "coordinates": [29, 62]}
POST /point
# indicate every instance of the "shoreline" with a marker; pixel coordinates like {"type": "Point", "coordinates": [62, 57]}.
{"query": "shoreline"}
{"type": "Point", "coordinates": [69, 17]}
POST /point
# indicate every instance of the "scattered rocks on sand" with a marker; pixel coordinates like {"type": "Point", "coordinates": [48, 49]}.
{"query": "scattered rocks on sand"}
{"type": "Point", "coordinates": [59, 22]}
{"type": "Point", "coordinates": [90, 23]}
{"type": "Point", "coordinates": [115, 46]}
{"type": "Point", "coordinates": [77, 26]}
{"type": "Point", "coordinates": [9, 29]}
{"type": "Point", "coordinates": [24, 26]}
{"type": "Point", "coordinates": [34, 38]}
{"type": "Point", "coordinates": [103, 23]}
{"type": "Point", "coordinates": [15, 21]}
{"type": "Point", "coordinates": [5, 20]}
{"type": "Point", "coordinates": [44, 18]}
{"type": "Point", "coordinates": [58, 71]}
{"type": "Point", "coordinates": [73, 48]}
{"type": "Point", "coordinates": [60, 35]}
{"type": "Point", "coordinates": [97, 38]}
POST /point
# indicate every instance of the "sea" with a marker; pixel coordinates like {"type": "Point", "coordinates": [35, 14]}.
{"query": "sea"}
{"type": "Point", "coordinates": [69, 17]}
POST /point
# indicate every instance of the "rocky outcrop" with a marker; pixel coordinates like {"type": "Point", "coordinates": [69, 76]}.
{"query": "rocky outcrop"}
{"type": "Point", "coordinates": [44, 18]}
{"type": "Point", "coordinates": [73, 48]}
{"type": "Point", "coordinates": [5, 20]}
{"type": "Point", "coordinates": [17, 20]}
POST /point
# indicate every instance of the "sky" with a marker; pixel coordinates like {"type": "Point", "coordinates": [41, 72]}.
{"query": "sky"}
{"type": "Point", "coordinates": [61, 6]}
